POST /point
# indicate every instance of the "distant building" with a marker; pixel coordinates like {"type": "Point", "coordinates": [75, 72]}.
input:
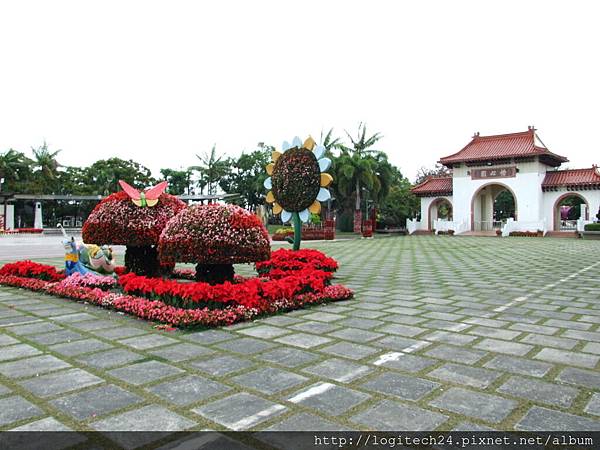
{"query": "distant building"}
{"type": "Point", "coordinates": [510, 182]}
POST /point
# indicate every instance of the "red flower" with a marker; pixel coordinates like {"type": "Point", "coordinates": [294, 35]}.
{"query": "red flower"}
{"type": "Point", "coordinates": [289, 281]}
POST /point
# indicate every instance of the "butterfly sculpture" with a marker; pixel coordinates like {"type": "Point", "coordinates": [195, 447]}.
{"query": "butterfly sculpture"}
{"type": "Point", "coordinates": [144, 198]}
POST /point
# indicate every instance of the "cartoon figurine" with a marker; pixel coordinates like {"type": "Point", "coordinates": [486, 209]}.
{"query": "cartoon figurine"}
{"type": "Point", "coordinates": [72, 263]}
{"type": "Point", "coordinates": [98, 259]}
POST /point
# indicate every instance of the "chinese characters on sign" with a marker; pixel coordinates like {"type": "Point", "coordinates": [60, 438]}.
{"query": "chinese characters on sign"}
{"type": "Point", "coordinates": [501, 172]}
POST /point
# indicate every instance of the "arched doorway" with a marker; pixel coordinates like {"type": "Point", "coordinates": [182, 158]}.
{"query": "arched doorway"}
{"type": "Point", "coordinates": [440, 208]}
{"type": "Point", "coordinates": [491, 206]}
{"type": "Point", "coordinates": [567, 210]}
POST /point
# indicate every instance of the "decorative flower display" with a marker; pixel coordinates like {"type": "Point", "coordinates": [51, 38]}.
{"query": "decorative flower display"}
{"type": "Point", "coordinates": [290, 280]}
{"type": "Point", "coordinates": [214, 237]}
{"type": "Point", "coordinates": [117, 220]}
{"type": "Point", "coordinates": [89, 280]}
{"type": "Point", "coordinates": [298, 182]}
{"type": "Point", "coordinates": [30, 269]}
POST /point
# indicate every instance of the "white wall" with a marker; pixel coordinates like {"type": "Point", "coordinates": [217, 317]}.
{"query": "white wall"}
{"type": "Point", "coordinates": [426, 204]}
{"type": "Point", "coordinates": [526, 186]}
{"type": "Point", "coordinates": [592, 197]}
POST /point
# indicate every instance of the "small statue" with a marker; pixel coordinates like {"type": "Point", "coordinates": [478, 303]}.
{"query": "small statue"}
{"type": "Point", "coordinates": [98, 259]}
{"type": "Point", "coordinates": [72, 263]}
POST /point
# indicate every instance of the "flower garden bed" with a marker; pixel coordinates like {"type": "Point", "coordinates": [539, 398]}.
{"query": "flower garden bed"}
{"type": "Point", "coordinates": [308, 234]}
{"type": "Point", "coordinates": [289, 280]}
{"type": "Point", "coordinates": [538, 233]}
{"type": "Point", "coordinates": [23, 231]}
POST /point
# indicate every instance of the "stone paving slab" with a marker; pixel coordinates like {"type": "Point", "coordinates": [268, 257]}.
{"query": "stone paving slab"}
{"type": "Point", "coordinates": [187, 390]}
{"type": "Point", "coordinates": [95, 402]}
{"type": "Point", "coordinates": [60, 382]}
{"type": "Point", "coordinates": [28, 367]}
{"type": "Point", "coordinates": [240, 411]}
{"type": "Point", "coordinates": [433, 340]}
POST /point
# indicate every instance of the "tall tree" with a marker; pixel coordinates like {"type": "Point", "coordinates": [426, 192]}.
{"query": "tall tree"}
{"type": "Point", "coordinates": [104, 175]}
{"type": "Point", "coordinates": [179, 180]}
{"type": "Point", "coordinates": [213, 167]}
{"type": "Point", "coordinates": [247, 175]}
{"type": "Point", "coordinates": [16, 169]}
{"type": "Point", "coordinates": [45, 169]}
{"type": "Point", "coordinates": [361, 171]}
{"type": "Point", "coordinates": [399, 205]}
{"type": "Point", "coordinates": [438, 170]}
{"type": "Point", "coordinates": [330, 142]}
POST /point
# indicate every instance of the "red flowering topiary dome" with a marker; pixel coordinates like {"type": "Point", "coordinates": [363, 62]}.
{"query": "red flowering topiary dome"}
{"type": "Point", "coordinates": [215, 237]}
{"type": "Point", "coordinates": [117, 220]}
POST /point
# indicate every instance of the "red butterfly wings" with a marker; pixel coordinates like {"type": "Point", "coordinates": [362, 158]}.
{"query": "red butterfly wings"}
{"type": "Point", "coordinates": [156, 191]}
{"type": "Point", "coordinates": [149, 198]}
{"type": "Point", "coordinates": [133, 193]}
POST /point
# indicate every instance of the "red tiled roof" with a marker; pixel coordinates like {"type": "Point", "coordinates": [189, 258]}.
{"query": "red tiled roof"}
{"type": "Point", "coordinates": [434, 186]}
{"type": "Point", "coordinates": [572, 177]}
{"type": "Point", "coordinates": [513, 145]}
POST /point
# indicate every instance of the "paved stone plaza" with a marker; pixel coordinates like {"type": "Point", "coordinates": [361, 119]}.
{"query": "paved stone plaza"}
{"type": "Point", "coordinates": [445, 333]}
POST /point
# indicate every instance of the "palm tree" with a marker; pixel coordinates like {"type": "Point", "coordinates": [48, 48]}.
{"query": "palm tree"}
{"type": "Point", "coordinates": [13, 166]}
{"type": "Point", "coordinates": [46, 165]}
{"type": "Point", "coordinates": [362, 170]}
{"type": "Point", "coordinates": [362, 144]}
{"type": "Point", "coordinates": [330, 143]}
{"type": "Point", "coordinates": [212, 169]}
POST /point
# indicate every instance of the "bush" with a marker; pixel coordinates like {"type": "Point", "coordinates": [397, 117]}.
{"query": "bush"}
{"type": "Point", "coordinates": [538, 233]}
{"type": "Point", "coordinates": [345, 222]}
{"type": "Point", "coordinates": [592, 227]}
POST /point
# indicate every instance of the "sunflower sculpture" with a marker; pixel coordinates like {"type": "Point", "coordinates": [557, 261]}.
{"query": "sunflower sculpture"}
{"type": "Point", "coordinates": [298, 183]}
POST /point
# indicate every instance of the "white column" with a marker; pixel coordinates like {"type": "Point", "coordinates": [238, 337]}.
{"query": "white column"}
{"type": "Point", "coordinates": [37, 222]}
{"type": "Point", "coordinates": [583, 211]}
{"type": "Point", "coordinates": [10, 217]}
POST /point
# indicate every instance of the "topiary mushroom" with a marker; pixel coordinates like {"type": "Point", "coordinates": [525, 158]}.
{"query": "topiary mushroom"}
{"type": "Point", "coordinates": [214, 237]}
{"type": "Point", "coordinates": [136, 221]}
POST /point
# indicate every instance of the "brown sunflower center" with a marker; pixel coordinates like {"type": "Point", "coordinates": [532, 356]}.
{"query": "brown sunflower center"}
{"type": "Point", "coordinates": [296, 179]}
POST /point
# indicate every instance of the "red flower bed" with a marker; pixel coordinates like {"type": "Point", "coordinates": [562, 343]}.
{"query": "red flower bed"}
{"type": "Point", "coordinates": [284, 260]}
{"type": "Point", "coordinates": [23, 230]}
{"type": "Point", "coordinates": [283, 285]}
{"type": "Point", "coordinates": [30, 269]}
{"type": "Point", "coordinates": [252, 293]}
{"type": "Point", "coordinates": [116, 220]}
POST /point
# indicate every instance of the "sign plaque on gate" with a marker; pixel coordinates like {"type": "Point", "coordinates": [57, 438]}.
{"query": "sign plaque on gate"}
{"type": "Point", "coordinates": [502, 172]}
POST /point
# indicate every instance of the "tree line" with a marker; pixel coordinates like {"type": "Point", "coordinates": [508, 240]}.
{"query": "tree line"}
{"type": "Point", "coordinates": [363, 178]}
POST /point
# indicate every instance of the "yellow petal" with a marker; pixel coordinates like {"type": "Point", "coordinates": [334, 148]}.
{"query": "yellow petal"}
{"type": "Point", "coordinates": [315, 208]}
{"type": "Point", "coordinates": [326, 179]}
{"type": "Point", "coordinates": [137, 202]}
{"type": "Point", "coordinates": [309, 143]}
{"type": "Point", "coordinates": [270, 169]}
{"type": "Point", "coordinates": [151, 202]}
{"type": "Point", "coordinates": [275, 156]}
{"type": "Point", "coordinates": [277, 208]}
{"type": "Point", "coordinates": [270, 197]}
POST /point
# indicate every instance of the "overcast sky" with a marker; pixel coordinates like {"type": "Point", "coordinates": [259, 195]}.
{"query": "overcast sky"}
{"type": "Point", "coordinates": [158, 81]}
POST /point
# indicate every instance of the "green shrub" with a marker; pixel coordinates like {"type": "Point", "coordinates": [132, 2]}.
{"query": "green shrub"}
{"type": "Point", "coordinates": [345, 222]}
{"type": "Point", "coordinates": [592, 227]}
